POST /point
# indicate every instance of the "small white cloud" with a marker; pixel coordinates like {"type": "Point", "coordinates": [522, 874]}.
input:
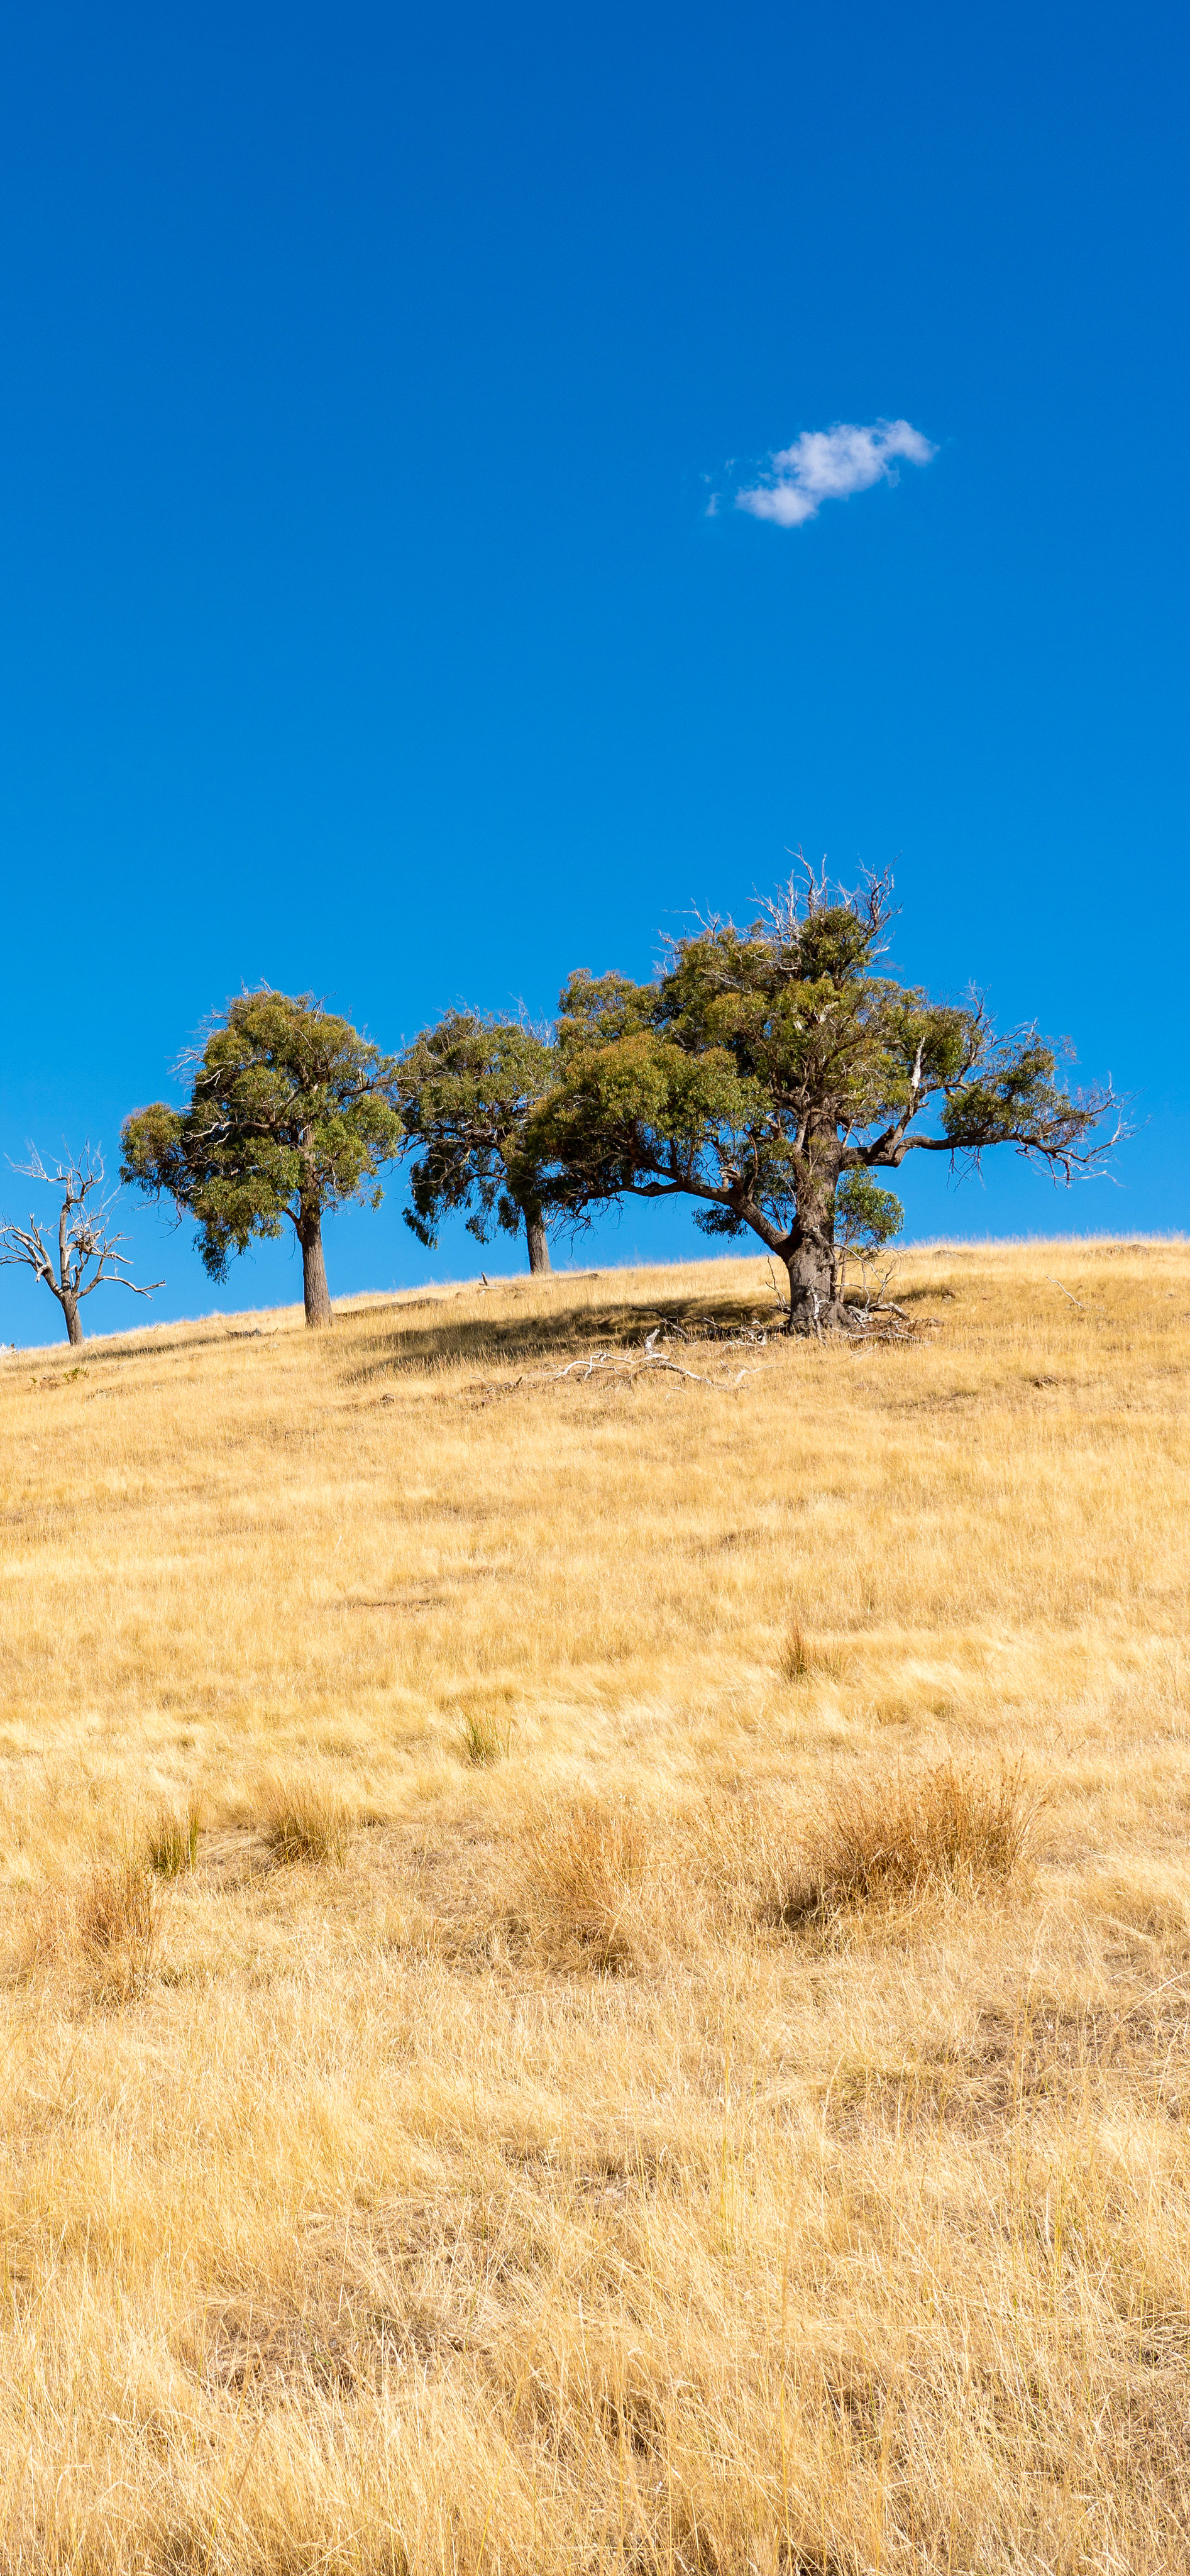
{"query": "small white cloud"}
{"type": "Point", "coordinates": [828, 464]}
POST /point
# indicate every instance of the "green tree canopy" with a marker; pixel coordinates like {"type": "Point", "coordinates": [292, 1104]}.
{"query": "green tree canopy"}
{"type": "Point", "coordinates": [866, 1218]}
{"type": "Point", "coordinates": [467, 1088]}
{"type": "Point", "coordinates": [763, 1065]}
{"type": "Point", "coordinates": [291, 1113]}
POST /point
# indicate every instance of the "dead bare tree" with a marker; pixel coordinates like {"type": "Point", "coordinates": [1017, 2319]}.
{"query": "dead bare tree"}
{"type": "Point", "coordinates": [88, 1254]}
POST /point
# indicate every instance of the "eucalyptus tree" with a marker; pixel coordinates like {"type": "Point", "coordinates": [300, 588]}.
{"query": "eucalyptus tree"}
{"type": "Point", "coordinates": [83, 1252]}
{"type": "Point", "coordinates": [763, 1066]}
{"type": "Point", "coordinates": [467, 1089]}
{"type": "Point", "coordinates": [291, 1114]}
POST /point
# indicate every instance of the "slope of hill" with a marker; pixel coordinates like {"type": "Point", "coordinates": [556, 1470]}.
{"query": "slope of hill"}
{"type": "Point", "coordinates": [597, 1933]}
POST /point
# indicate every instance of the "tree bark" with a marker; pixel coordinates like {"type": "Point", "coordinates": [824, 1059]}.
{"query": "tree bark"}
{"type": "Point", "coordinates": [815, 1299]}
{"type": "Point", "coordinates": [535, 1236]}
{"type": "Point", "coordinates": [73, 1325]}
{"type": "Point", "coordinates": [317, 1295]}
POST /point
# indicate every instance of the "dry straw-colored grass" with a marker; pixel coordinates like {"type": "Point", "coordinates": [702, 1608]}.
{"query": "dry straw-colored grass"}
{"type": "Point", "coordinates": [303, 1819]}
{"type": "Point", "coordinates": [713, 2093]}
{"type": "Point", "coordinates": [897, 1841]}
{"type": "Point", "coordinates": [104, 1920]}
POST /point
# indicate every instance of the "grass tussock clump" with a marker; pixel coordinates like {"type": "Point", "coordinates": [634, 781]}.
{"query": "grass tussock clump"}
{"type": "Point", "coordinates": [802, 1656]}
{"type": "Point", "coordinates": [589, 1886]}
{"type": "Point", "coordinates": [105, 1923]}
{"type": "Point", "coordinates": [304, 1820]}
{"type": "Point", "coordinates": [623, 1885]}
{"type": "Point", "coordinates": [948, 1831]}
{"type": "Point", "coordinates": [173, 1837]}
{"type": "Point", "coordinates": [482, 1740]}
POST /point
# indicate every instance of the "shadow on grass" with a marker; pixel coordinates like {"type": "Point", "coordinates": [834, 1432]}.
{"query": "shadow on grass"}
{"type": "Point", "coordinates": [561, 1332]}
{"type": "Point", "coordinates": [103, 1349]}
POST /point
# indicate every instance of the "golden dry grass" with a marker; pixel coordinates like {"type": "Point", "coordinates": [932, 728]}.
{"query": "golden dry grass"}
{"type": "Point", "coordinates": [523, 2177]}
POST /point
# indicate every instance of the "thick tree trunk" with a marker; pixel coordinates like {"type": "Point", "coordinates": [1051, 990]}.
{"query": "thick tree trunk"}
{"type": "Point", "coordinates": [535, 1237]}
{"type": "Point", "coordinates": [73, 1326]}
{"type": "Point", "coordinates": [314, 1288]}
{"type": "Point", "coordinates": [814, 1305]}
{"type": "Point", "coordinates": [815, 1302]}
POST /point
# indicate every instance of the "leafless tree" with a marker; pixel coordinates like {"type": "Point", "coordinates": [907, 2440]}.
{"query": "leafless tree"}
{"type": "Point", "coordinates": [88, 1254]}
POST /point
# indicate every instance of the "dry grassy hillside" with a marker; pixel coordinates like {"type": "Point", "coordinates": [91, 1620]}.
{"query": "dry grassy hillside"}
{"type": "Point", "coordinates": [596, 1968]}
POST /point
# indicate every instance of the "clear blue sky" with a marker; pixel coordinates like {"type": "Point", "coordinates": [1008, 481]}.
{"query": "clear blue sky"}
{"type": "Point", "coordinates": [368, 372]}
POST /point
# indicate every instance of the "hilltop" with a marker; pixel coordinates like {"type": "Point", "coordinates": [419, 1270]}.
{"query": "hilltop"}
{"type": "Point", "coordinates": [597, 1935]}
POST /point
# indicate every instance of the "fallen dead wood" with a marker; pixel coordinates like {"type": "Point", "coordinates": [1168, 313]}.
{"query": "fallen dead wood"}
{"type": "Point", "coordinates": [624, 1367]}
{"type": "Point", "coordinates": [1083, 1309]}
{"type": "Point", "coordinates": [615, 1365]}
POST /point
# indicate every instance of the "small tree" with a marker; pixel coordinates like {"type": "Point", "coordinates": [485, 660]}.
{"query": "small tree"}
{"type": "Point", "coordinates": [291, 1113]}
{"type": "Point", "coordinates": [866, 1219]}
{"type": "Point", "coordinates": [763, 1066]}
{"type": "Point", "coordinates": [467, 1089]}
{"type": "Point", "coordinates": [88, 1254]}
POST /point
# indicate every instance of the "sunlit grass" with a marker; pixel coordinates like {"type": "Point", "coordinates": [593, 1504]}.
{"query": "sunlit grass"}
{"type": "Point", "coordinates": [596, 1968]}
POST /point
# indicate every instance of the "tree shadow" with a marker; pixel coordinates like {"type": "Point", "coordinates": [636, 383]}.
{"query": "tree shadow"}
{"type": "Point", "coordinates": [104, 1347]}
{"type": "Point", "coordinates": [563, 1332]}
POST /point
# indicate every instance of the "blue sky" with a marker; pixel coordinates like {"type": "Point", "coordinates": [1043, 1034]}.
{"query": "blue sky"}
{"type": "Point", "coordinates": [369, 375]}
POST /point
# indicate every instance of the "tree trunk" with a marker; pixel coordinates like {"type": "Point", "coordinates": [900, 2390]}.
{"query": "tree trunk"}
{"type": "Point", "coordinates": [815, 1297]}
{"type": "Point", "coordinates": [539, 1251]}
{"type": "Point", "coordinates": [314, 1288]}
{"type": "Point", "coordinates": [70, 1309]}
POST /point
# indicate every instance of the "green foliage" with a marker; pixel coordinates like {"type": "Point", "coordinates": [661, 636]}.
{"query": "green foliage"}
{"type": "Point", "coordinates": [291, 1113]}
{"type": "Point", "coordinates": [466, 1090]}
{"type": "Point", "coordinates": [866, 1217]}
{"type": "Point", "coordinates": [764, 1068]}
{"type": "Point", "coordinates": [1009, 1099]}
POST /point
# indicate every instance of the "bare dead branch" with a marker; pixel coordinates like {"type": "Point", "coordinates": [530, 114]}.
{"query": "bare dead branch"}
{"type": "Point", "coordinates": [623, 1366]}
{"type": "Point", "coordinates": [1076, 1301]}
{"type": "Point", "coordinates": [88, 1252]}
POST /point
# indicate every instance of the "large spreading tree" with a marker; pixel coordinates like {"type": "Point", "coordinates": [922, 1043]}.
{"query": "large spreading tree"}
{"type": "Point", "coordinates": [467, 1089]}
{"type": "Point", "coordinates": [764, 1066]}
{"type": "Point", "coordinates": [291, 1113]}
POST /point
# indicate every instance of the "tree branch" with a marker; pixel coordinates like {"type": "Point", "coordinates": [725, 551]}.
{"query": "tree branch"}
{"type": "Point", "coordinates": [86, 1239]}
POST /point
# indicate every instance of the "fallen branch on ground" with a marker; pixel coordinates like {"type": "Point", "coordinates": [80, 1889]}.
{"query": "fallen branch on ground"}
{"type": "Point", "coordinates": [621, 1365]}
{"type": "Point", "coordinates": [1101, 1311]}
{"type": "Point", "coordinates": [627, 1365]}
